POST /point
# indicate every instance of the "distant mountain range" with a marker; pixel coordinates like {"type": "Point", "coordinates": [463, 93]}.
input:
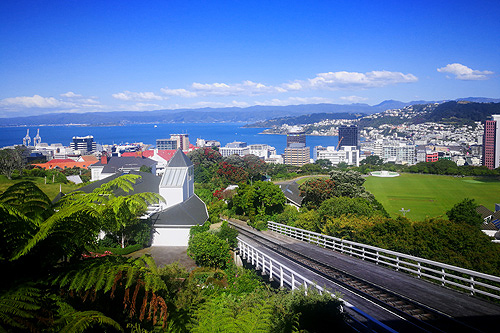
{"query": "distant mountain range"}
{"type": "Point", "coordinates": [208, 115]}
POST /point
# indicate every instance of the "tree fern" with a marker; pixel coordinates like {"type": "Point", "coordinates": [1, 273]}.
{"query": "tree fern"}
{"type": "Point", "coordinates": [15, 230]}
{"type": "Point", "coordinates": [80, 321]}
{"type": "Point", "coordinates": [28, 199]}
{"type": "Point", "coordinates": [215, 316]}
{"type": "Point", "coordinates": [256, 318]}
{"type": "Point", "coordinates": [18, 306]}
{"type": "Point", "coordinates": [64, 222]}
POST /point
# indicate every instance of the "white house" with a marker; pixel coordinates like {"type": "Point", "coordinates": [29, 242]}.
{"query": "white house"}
{"type": "Point", "coordinates": [182, 208]}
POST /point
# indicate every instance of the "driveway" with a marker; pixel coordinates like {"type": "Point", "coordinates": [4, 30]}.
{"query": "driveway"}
{"type": "Point", "coordinates": [165, 255]}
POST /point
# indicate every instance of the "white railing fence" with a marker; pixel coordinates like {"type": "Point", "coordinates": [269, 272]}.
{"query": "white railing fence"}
{"type": "Point", "coordinates": [287, 277]}
{"type": "Point", "coordinates": [444, 274]}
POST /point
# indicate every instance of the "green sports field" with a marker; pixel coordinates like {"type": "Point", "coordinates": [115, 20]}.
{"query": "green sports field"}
{"type": "Point", "coordinates": [430, 195]}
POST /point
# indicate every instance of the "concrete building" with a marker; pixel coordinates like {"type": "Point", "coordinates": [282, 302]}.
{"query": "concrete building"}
{"type": "Point", "coordinates": [297, 156]}
{"type": "Point", "coordinates": [201, 143]}
{"type": "Point", "coordinates": [166, 144]}
{"type": "Point", "coordinates": [491, 142]}
{"type": "Point", "coordinates": [347, 154]}
{"type": "Point", "coordinates": [182, 141]}
{"type": "Point", "coordinates": [262, 150]}
{"type": "Point", "coordinates": [296, 152]}
{"type": "Point", "coordinates": [175, 141]}
{"type": "Point", "coordinates": [401, 153]}
{"type": "Point", "coordinates": [235, 148]}
{"type": "Point", "coordinates": [84, 144]}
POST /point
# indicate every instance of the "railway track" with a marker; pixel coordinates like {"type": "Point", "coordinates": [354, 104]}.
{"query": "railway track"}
{"type": "Point", "coordinates": [419, 316]}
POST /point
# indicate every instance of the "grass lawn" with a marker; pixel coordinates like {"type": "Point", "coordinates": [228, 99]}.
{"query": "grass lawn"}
{"type": "Point", "coordinates": [303, 179]}
{"type": "Point", "coordinates": [430, 195]}
{"type": "Point", "coordinates": [50, 189]}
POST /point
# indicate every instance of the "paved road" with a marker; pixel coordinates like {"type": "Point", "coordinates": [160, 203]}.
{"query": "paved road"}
{"type": "Point", "coordinates": [165, 255]}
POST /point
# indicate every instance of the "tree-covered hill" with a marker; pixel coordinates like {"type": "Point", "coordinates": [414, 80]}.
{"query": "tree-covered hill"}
{"type": "Point", "coordinates": [463, 111]}
{"type": "Point", "coordinates": [305, 119]}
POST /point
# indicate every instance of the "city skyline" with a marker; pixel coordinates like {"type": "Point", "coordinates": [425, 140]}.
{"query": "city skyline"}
{"type": "Point", "coordinates": [126, 56]}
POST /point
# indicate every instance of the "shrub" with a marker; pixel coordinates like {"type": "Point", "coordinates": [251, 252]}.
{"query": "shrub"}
{"type": "Point", "coordinates": [197, 229]}
{"type": "Point", "coordinates": [228, 234]}
{"type": "Point", "coordinates": [209, 250]}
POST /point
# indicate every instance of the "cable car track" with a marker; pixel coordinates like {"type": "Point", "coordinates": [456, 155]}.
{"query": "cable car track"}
{"type": "Point", "coordinates": [419, 315]}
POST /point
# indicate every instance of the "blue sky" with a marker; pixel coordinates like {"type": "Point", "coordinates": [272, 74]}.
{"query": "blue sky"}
{"type": "Point", "coordinates": [84, 56]}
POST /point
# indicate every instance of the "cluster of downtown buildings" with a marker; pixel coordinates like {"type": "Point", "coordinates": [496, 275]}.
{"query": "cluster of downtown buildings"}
{"type": "Point", "coordinates": [401, 144]}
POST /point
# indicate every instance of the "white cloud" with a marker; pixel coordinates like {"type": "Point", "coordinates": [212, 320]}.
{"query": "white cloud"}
{"type": "Point", "coordinates": [353, 99]}
{"type": "Point", "coordinates": [71, 94]}
{"type": "Point", "coordinates": [208, 104]}
{"type": "Point", "coordinates": [347, 80]}
{"type": "Point", "coordinates": [36, 104]}
{"type": "Point", "coordinates": [141, 107]}
{"type": "Point", "coordinates": [178, 92]}
{"type": "Point", "coordinates": [138, 96]}
{"type": "Point", "coordinates": [294, 101]}
{"type": "Point", "coordinates": [292, 86]}
{"type": "Point", "coordinates": [223, 89]}
{"type": "Point", "coordinates": [463, 72]}
{"type": "Point", "coordinates": [36, 101]}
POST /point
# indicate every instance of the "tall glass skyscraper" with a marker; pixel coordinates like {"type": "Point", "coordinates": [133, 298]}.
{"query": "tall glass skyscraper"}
{"type": "Point", "coordinates": [349, 136]}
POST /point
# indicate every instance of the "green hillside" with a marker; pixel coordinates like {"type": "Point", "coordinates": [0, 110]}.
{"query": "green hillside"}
{"type": "Point", "coordinates": [430, 195]}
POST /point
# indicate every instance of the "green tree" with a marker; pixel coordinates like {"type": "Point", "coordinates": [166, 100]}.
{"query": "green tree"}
{"type": "Point", "coordinates": [372, 160]}
{"type": "Point", "coordinates": [324, 163]}
{"type": "Point", "coordinates": [205, 161]}
{"type": "Point", "coordinates": [12, 160]}
{"type": "Point", "coordinates": [311, 168]}
{"type": "Point", "coordinates": [338, 206]}
{"type": "Point", "coordinates": [209, 250]}
{"type": "Point", "coordinates": [465, 212]}
{"type": "Point", "coordinates": [316, 190]}
{"type": "Point", "coordinates": [269, 199]}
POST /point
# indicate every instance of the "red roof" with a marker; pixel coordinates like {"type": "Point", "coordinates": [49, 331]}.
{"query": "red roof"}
{"type": "Point", "coordinates": [132, 154]}
{"type": "Point", "coordinates": [165, 154]}
{"type": "Point", "coordinates": [61, 160]}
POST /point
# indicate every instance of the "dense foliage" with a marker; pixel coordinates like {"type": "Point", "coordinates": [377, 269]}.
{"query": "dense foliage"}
{"type": "Point", "coordinates": [12, 160]}
{"type": "Point", "coordinates": [441, 167]}
{"type": "Point", "coordinates": [463, 111]}
{"type": "Point", "coordinates": [209, 250]}
{"type": "Point", "coordinates": [258, 201]}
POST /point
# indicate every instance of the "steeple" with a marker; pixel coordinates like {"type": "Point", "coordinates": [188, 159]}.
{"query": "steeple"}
{"type": "Point", "coordinates": [179, 160]}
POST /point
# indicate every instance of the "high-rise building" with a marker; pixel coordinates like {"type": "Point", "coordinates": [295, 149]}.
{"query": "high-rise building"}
{"type": "Point", "coordinates": [296, 137]}
{"type": "Point", "coordinates": [349, 136]}
{"type": "Point", "coordinates": [296, 152]}
{"type": "Point", "coordinates": [491, 142]}
{"type": "Point", "coordinates": [176, 141]}
{"type": "Point", "coordinates": [85, 144]}
{"type": "Point", "coordinates": [297, 156]}
{"type": "Point", "coordinates": [166, 144]}
{"type": "Point", "coordinates": [182, 140]}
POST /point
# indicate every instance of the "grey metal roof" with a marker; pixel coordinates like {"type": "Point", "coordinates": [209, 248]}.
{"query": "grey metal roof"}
{"type": "Point", "coordinates": [116, 164]}
{"type": "Point", "coordinates": [291, 192]}
{"type": "Point", "coordinates": [188, 213]}
{"type": "Point", "coordinates": [173, 177]}
{"type": "Point", "coordinates": [483, 211]}
{"type": "Point", "coordinates": [147, 183]}
{"type": "Point", "coordinates": [179, 160]}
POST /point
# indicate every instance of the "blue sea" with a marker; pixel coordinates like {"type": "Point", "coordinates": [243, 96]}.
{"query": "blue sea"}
{"type": "Point", "coordinates": [148, 133]}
